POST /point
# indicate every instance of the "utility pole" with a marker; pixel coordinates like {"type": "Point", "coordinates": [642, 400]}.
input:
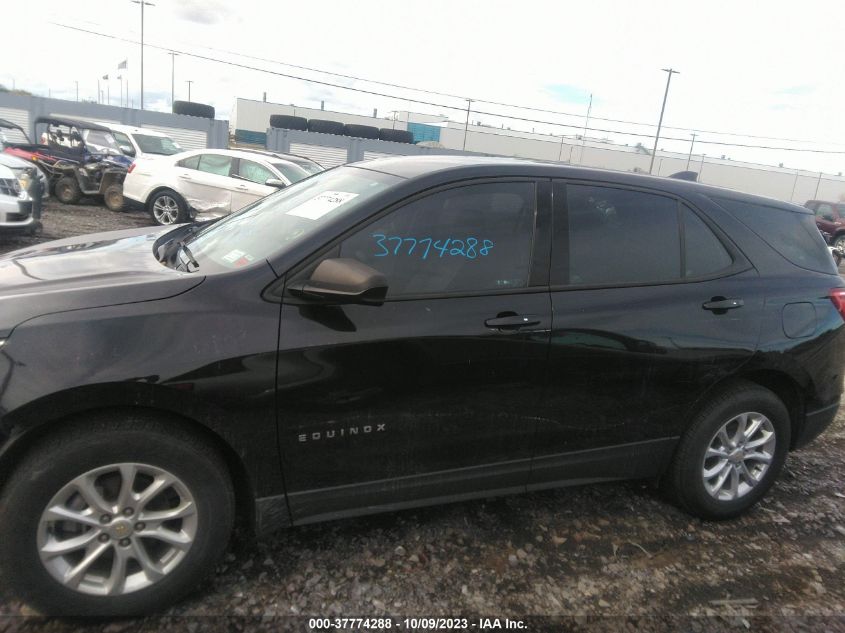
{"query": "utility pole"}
{"type": "Point", "coordinates": [173, 77]}
{"type": "Point", "coordinates": [466, 125]}
{"type": "Point", "coordinates": [818, 183]}
{"type": "Point", "coordinates": [189, 82]}
{"type": "Point", "coordinates": [671, 72]}
{"type": "Point", "coordinates": [143, 3]}
{"type": "Point", "coordinates": [690, 149]}
{"type": "Point", "coordinates": [99, 92]}
{"type": "Point", "coordinates": [584, 135]}
{"type": "Point", "coordinates": [120, 81]}
{"type": "Point", "coordinates": [77, 90]}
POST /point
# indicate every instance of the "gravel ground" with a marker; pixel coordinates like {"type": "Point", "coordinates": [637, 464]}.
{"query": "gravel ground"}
{"type": "Point", "coordinates": [612, 557]}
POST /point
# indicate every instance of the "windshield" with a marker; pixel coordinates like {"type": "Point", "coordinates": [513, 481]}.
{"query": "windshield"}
{"type": "Point", "coordinates": [163, 145]}
{"type": "Point", "coordinates": [291, 172]}
{"type": "Point", "coordinates": [281, 219]}
{"type": "Point", "coordinates": [310, 167]}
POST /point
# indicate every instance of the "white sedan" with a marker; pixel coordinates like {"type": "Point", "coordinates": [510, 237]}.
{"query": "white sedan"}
{"type": "Point", "coordinates": [208, 183]}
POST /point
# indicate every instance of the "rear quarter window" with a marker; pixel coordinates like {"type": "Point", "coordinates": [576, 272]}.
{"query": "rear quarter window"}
{"type": "Point", "coordinates": [792, 234]}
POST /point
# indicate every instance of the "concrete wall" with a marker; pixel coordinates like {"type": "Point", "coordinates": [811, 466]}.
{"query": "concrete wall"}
{"type": "Point", "coordinates": [189, 131]}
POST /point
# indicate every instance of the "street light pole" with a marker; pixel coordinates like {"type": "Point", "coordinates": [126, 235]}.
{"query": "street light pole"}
{"type": "Point", "coordinates": [466, 125]}
{"type": "Point", "coordinates": [671, 72]}
{"type": "Point", "coordinates": [172, 78]}
{"type": "Point", "coordinates": [584, 135]}
{"type": "Point", "coordinates": [77, 90]}
{"type": "Point", "coordinates": [690, 149]}
{"type": "Point", "coordinates": [189, 82]}
{"type": "Point", "coordinates": [143, 3]}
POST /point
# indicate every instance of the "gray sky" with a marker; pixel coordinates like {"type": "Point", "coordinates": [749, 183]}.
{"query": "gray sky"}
{"type": "Point", "coordinates": [767, 69]}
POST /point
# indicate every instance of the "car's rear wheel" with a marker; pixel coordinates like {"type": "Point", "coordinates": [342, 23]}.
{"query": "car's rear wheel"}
{"type": "Point", "coordinates": [113, 197]}
{"type": "Point", "coordinates": [168, 207]}
{"type": "Point", "coordinates": [839, 242]}
{"type": "Point", "coordinates": [731, 454]}
{"type": "Point", "coordinates": [67, 190]}
{"type": "Point", "coordinates": [120, 517]}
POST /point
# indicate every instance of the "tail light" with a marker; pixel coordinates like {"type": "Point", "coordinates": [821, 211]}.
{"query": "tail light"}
{"type": "Point", "coordinates": [837, 296]}
{"type": "Point", "coordinates": [131, 167]}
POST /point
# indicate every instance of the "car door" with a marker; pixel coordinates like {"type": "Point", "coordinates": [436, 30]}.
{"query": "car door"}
{"type": "Point", "coordinates": [435, 393]}
{"type": "Point", "coordinates": [207, 188]}
{"type": "Point", "coordinates": [652, 305]}
{"type": "Point", "coordinates": [248, 183]}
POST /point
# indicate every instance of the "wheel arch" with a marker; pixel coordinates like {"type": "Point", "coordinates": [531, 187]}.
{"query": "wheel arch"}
{"type": "Point", "coordinates": [158, 189]}
{"type": "Point", "coordinates": [781, 383]}
{"type": "Point", "coordinates": [23, 438]}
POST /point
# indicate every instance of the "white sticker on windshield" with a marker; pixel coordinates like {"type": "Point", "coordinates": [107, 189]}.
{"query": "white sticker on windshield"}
{"type": "Point", "coordinates": [320, 205]}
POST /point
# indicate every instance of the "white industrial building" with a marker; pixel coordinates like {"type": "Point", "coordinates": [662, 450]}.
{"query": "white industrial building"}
{"type": "Point", "coordinates": [250, 120]}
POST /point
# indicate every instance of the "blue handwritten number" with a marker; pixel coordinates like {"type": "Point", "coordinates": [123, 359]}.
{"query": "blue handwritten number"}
{"type": "Point", "coordinates": [411, 239]}
{"type": "Point", "coordinates": [441, 247]}
{"type": "Point", "coordinates": [426, 239]}
{"type": "Point", "coordinates": [471, 244]}
{"type": "Point", "coordinates": [380, 241]}
{"type": "Point", "coordinates": [398, 245]}
{"type": "Point", "coordinates": [455, 250]}
{"type": "Point", "coordinates": [484, 250]}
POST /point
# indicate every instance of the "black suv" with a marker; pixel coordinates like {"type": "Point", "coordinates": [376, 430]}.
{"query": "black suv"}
{"type": "Point", "coordinates": [391, 334]}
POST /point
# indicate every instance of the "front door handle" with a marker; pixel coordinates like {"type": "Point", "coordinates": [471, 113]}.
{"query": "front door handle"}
{"type": "Point", "coordinates": [512, 321]}
{"type": "Point", "coordinates": [718, 304]}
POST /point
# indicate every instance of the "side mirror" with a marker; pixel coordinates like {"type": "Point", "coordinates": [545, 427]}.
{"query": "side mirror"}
{"type": "Point", "coordinates": [341, 281]}
{"type": "Point", "coordinates": [829, 217]}
{"type": "Point", "coordinates": [128, 150]}
{"type": "Point", "coordinates": [275, 182]}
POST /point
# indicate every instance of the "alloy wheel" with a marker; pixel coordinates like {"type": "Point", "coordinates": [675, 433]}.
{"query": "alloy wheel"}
{"type": "Point", "coordinates": [165, 210]}
{"type": "Point", "coordinates": [117, 529]}
{"type": "Point", "coordinates": [738, 456]}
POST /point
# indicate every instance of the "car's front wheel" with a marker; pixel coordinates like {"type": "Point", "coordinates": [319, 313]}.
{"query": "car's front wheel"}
{"type": "Point", "coordinates": [731, 454]}
{"type": "Point", "coordinates": [167, 207]}
{"type": "Point", "coordinates": [118, 517]}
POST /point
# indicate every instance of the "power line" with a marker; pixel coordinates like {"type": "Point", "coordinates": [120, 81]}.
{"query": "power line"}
{"type": "Point", "coordinates": [430, 103]}
{"type": "Point", "coordinates": [499, 103]}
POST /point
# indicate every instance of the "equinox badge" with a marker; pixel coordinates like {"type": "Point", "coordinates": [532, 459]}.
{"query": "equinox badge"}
{"type": "Point", "coordinates": [328, 434]}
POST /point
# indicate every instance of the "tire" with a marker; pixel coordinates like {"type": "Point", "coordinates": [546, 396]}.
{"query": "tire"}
{"type": "Point", "coordinates": [98, 448]}
{"type": "Point", "coordinates": [325, 127]}
{"type": "Point", "coordinates": [67, 190]}
{"type": "Point", "coordinates": [288, 122]}
{"type": "Point", "coordinates": [193, 109]}
{"type": "Point", "coordinates": [397, 136]}
{"type": "Point", "coordinates": [685, 481]}
{"type": "Point", "coordinates": [360, 131]}
{"type": "Point", "coordinates": [167, 207]}
{"type": "Point", "coordinates": [113, 197]}
{"type": "Point", "coordinates": [839, 241]}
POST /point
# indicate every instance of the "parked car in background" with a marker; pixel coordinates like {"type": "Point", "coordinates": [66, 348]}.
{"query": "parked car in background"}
{"type": "Point", "coordinates": [206, 183]}
{"type": "Point", "coordinates": [830, 218]}
{"type": "Point", "coordinates": [142, 142]}
{"type": "Point", "coordinates": [22, 168]}
{"type": "Point", "coordinates": [15, 201]}
{"type": "Point", "coordinates": [392, 334]}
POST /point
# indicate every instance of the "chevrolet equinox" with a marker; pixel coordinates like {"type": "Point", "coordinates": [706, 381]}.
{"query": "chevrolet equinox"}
{"type": "Point", "coordinates": [391, 334]}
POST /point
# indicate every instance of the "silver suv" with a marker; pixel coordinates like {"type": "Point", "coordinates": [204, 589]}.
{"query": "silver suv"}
{"type": "Point", "coordinates": [15, 201]}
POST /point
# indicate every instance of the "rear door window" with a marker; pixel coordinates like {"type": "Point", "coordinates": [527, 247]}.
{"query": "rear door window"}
{"type": "Point", "coordinates": [705, 254]}
{"type": "Point", "coordinates": [793, 234]}
{"type": "Point", "coordinates": [192, 162]}
{"type": "Point", "coordinates": [617, 236]}
{"type": "Point", "coordinates": [215, 164]}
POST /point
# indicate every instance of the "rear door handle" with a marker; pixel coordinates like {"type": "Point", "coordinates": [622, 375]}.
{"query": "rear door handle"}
{"type": "Point", "coordinates": [513, 322]}
{"type": "Point", "coordinates": [720, 303]}
{"type": "Point", "coordinates": [185, 177]}
{"type": "Point", "coordinates": [242, 188]}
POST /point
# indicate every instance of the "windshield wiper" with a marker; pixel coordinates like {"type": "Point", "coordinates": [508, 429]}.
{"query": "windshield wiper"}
{"type": "Point", "coordinates": [191, 259]}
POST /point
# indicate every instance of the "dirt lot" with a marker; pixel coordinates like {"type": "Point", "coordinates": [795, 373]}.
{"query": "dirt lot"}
{"type": "Point", "coordinates": [591, 554]}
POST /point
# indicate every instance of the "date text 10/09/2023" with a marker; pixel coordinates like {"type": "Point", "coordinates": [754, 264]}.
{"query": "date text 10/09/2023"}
{"type": "Point", "coordinates": [415, 624]}
{"type": "Point", "coordinates": [469, 247]}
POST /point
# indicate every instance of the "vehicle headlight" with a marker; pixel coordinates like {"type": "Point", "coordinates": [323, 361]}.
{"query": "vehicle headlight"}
{"type": "Point", "coordinates": [24, 180]}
